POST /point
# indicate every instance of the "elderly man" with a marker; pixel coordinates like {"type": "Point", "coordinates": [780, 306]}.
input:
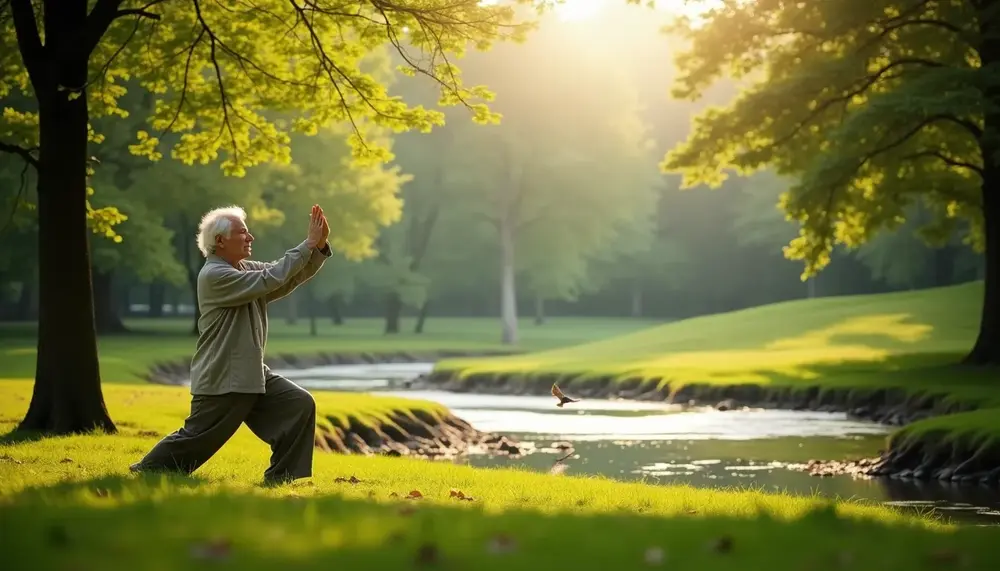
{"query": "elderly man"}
{"type": "Point", "coordinates": [230, 384]}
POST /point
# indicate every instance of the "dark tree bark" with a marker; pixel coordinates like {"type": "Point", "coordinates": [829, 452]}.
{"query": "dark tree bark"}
{"type": "Point", "coordinates": [157, 295]}
{"type": "Point", "coordinates": [291, 310]}
{"type": "Point", "coordinates": [187, 248]}
{"type": "Point", "coordinates": [393, 312]}
{"type": "Point", "coordinates": [106, 317]}
{"type": "Point", "coordinates": [421, 318]}
{"type": "Point", "coordinates": [25, 302]}
{"type": "Point", "coordinates": [67, 396]}
{"type": "Point", "coordinates": [986, 350]}
{"type": "Point", "coordinates": [418, 239]}
{"type": "Point", "coordinates": [636, 298]}
{"type": "Point", "coordinates": [311, 308]}
{"type": "Point", "coordinates": [335, 314]}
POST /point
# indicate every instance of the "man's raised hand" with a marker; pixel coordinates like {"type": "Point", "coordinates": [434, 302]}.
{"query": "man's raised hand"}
{"type": "Point", "coordinates": [314, 236]}
{"type": "Point", "coordinates": [326, 229]}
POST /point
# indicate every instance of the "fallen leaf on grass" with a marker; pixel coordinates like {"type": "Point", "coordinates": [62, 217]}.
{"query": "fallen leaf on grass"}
{"type": "Point", "coordinates": [427, 554]}
{"type": "Point", "coordinates": [414, 495]}
{"type": "Point", "coordinates": [213, 549]}
{"type": "Point", "coordinates": [723, 544]}
{"type": "Point", "coordinates": [501, 543]}
{"type": "Point", "coordinates": [101, 493]}
{"type": "Point", "coordinates": [406, 510]}
{"type": "Point", "coordinates": [148, 433]}
{"type": "Point", "coordinates": [947, 557]}
{"type": "Point", "coordinates": [461, 495]}
{"type": "Point", "coordinates": [393, 495]}
{"type": "Point", "coordinates": [351, 480]}
{"type": "Point", "coordinates": [654, 556]}
{"type": "Point", "coordinates": [56, 535]}
{"type": "Point", "coordinates": [7, 458]}
{"type": "Point", "coordinates": [66, 461]}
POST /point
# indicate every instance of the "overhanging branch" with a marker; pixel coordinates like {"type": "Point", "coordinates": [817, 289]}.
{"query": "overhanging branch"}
{"type": "Point", "coordinates": [946, 159]}
{"type": "Point", "coordinates": [866, 84]}
{"type": "Point", "coordinates": [21, 152]}
{"type": "Point", "coordinates": [28, 41]}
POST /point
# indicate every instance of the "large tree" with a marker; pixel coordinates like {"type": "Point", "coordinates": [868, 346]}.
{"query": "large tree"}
{"type": "Point", "coordinates": [872, 106]}
{"type": "Point", "coordinates": [214, 70]}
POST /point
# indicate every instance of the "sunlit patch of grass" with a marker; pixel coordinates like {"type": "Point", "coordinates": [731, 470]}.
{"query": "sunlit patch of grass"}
{"type": "Point", "coordinates": [144, 414]}
{"type": "Point", "coordinates": [71, 500]}
{"type": "Point", "coordinates": [797, 343]}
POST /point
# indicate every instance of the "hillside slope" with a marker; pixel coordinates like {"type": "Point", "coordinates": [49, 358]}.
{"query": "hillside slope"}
{"type": "Point", "coordinates": [779, 343]}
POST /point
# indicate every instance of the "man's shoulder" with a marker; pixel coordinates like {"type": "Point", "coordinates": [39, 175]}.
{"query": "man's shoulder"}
{"type": "Point", "coordinates": [212, 266]}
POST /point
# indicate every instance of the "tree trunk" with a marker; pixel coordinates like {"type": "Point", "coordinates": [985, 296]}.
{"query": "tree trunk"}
{"type": "Point", "coordinates": [811, 287]}
{"type": "Point", "coordinates": [508, 293]}
{"type": "Point", "coordinates": [23, 311]}
{"type": "Point", "coordinates": [67, 396]}
{"type": "Point", "coordinates": [393, 310]}
{"type": "Point", "coordinates": [986, 350]}
{"type": "Point", "coordinates": [157, 293]}
{"type": "Point", "coordinates": [421, 318]}
{"type": "Point", "coordinates": [636, 298]}
{"type": "Point", "coordinates": [335, 314]}
{"type": "Point", "coordinates": [193, 282]}
{"type": "Point", "coordinates": [943, 266]}
{"type": "Point", "coordinates": [539, 310]}
{"type": "Point", "coordinates": [311, 308]}
{"type": "Point", "coordinates": [292, 309]}
{"type": "Point", "coordinates": [106, 317]}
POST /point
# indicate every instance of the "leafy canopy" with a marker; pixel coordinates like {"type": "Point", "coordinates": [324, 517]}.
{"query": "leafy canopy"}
{"type": "Point", "coordinates": [870, 106]}
{"type": "Point", "coordinates": [225, 75]}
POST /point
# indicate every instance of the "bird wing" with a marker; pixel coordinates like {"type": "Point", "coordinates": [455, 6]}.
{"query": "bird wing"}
{"type": "Point", "coordinates": [556, 392]}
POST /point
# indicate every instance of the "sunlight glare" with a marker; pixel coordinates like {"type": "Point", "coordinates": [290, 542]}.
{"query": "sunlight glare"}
{"type": "Point", "coordinates": [579, 10]}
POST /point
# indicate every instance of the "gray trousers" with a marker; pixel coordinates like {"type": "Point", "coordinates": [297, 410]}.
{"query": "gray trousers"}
{"type": "Point", "coordinates": [284, 417]}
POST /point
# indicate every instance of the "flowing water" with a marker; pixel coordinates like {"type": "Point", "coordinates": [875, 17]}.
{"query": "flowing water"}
{"type": "Point", "coordinates": [661, 443]}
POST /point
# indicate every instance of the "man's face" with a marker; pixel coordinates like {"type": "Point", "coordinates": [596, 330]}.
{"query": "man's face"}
{"type": "Point", "coordinates": [237, 246]}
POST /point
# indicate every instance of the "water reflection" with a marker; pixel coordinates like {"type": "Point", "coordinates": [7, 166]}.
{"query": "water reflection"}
{"type": "Point", "coordinates": [604, 420]}
{"type": "Point", "coordinates": [661, 443]}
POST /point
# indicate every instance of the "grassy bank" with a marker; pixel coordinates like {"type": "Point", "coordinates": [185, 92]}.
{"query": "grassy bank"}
{"type": "Point", "coordinates": [127, 358]}
{"type": "Point", "coordinates": [890, 349]}
{"type": "Point", "coordinates": [69, 502]}
{"type": "Point", "coordinates": [797, 342]}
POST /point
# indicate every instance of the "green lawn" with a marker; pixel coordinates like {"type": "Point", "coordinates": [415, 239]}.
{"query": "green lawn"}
{"type": "Point", "coordinates": [126, 358]}
{"type": "Point", "coordinates": [70, 503]}
{"type": "Point", "coordinates": [900, 340]}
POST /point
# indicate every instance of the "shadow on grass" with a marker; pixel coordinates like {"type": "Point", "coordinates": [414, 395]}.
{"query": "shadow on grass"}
{"type": "Point", "coordinates": [132, 526]}
{"type": "Point", "coordinates": [21, 436]}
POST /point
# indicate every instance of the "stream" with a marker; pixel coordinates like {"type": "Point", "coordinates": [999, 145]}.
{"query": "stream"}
{"type": "Point", "coordinates": [660, 443]}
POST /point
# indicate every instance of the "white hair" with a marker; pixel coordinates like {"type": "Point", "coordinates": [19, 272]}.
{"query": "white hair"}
{"type": "Point", "coordinates": [217, 222]}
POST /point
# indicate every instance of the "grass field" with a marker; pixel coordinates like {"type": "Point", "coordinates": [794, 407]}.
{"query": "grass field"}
{"type": "Point", "coordinates": [70, 503]}
{"type": "Point", "coordinates": [899, 340]}
{"type": "Point", "coordinates": [126, 358]}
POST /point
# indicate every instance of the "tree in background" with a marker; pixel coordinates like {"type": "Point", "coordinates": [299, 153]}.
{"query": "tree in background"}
{"type": "Point", "coordinates": [214, 72]}
{"type": "Point", "coordinates": [872, 107]}
{"type": "Point", "coordinates": [568, 166]}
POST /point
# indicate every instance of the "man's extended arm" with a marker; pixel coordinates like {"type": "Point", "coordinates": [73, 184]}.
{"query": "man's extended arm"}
{"type": "Point", "coordinates": [226, 286]}
{"type": "Point", "coordinates": [313, 265]}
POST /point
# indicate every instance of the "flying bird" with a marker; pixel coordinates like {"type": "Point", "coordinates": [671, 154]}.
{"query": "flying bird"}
{"type": "Point", "coordinates": [563, 399]}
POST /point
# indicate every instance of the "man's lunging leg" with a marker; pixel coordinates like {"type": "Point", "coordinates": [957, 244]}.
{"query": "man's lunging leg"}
{"type": "Point", "coordinates": [212, 422]}
{"type": "Point", "coordinates": [285, 418]}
